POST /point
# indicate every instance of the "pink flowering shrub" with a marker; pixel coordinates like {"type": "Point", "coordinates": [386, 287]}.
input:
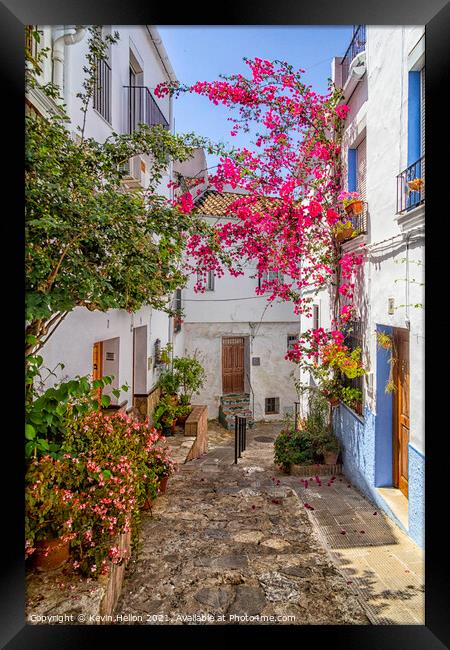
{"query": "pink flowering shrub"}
{"type": "Point", "coordinates": [109, 466]}
{"type": "Point", "coordinates": [288, 212]}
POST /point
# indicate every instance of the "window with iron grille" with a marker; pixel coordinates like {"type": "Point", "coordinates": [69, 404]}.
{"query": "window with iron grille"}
{"type": "Point", "coordinates": [272, 405]}
{"type": "Point", "coordinates": [102, 89]}
{"type": "Point", "coordinates": [291, 341]}
{"type": "Point", "coordinates": [177, 307]}
{"type": "Point", "coordinates": [316, 317]}
{"type": "Point", "coordinates": [210, 281]}
{"type": "Point", "coordinates": [269, 276]}
{"type": "Point", "coordinates": [354, 339]}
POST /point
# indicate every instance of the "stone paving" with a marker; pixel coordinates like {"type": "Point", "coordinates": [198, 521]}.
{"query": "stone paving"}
{"type": "Point", "coordinates": [229, 541]}
{"type": "Point", "coordinates": [227, 544]}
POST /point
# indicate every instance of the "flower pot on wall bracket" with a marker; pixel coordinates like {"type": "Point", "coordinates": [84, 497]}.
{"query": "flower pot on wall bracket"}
{"type": "Point", "coordinates": [347, 232]}
{"type": "Point", "coordinates": [415, 185]}
{"type": "Point", "coordinates": [354, 208]}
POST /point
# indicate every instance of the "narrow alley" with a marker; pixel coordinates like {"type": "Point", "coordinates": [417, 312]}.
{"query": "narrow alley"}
{"type": "Point", "coordinates": [235, 544]}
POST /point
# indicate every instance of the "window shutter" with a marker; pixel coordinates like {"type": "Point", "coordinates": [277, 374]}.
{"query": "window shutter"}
{"type": "Point", "coordinates": [361, 162]}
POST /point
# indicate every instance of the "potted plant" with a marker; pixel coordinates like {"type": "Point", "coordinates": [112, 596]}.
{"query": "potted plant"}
{"type": "Point", "coordinates": [415, 185]}
{"type": "Point", "coordinates": [48, 522]}
{"type": "Point", "coordinates": [191, 377]}
{"type": "Point", "coordinates": [330, 451]}
{"type": "Point", "coordinates": [151, 490]}
{"type": "Point", "coordinates": [169, 383]}
{"type": "Point", "coordinates": [353, 203]}
{"type": "Point", "coordinates": [291, 447]}
{"type": "Point", "coordinates": [165, 415]}
{"type": "Point", "coordinates": [344, 230]}
{"type": "Point", "coordinates": [162, 465]}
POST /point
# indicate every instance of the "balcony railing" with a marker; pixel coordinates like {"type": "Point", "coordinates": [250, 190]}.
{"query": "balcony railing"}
{"type": "Point", "coordinates": [102, 89]}
{"type": "Point", "coordinates": [142, 108]}
{"type": "Point", "coordinates": [357, 45]}
{"type": "Point", "coordinates": [411, 186]}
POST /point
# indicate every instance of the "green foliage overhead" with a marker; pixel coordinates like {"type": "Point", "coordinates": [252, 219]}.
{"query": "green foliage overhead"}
{"type": "Point", "coordinates": [90, 242]}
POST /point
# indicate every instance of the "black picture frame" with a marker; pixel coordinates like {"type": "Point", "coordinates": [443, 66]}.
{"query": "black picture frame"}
{"type": "Point", "coordinates": [435, 14]}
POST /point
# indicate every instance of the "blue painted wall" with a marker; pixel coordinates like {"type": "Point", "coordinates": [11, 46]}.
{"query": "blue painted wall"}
{"type": "Point", "coordinates": [416, 494]}
{"type": "Point", "coordinates": [367, 451]}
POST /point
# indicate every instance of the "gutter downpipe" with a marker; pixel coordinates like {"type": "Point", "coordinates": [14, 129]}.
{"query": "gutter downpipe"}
{"type": "Point", "coordinates": [69, 36]}
{"type": "Point", "coordinates": [165, 62]}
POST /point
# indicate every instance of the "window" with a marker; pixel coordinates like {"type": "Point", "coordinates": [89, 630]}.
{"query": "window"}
{"type": "Point", "coordinates": [208, 278]}
{"type": "Point", "coordinates": [272, 405]}
{"type": "Point", "coordinates": [316, 317]}
{"type": "Point", "coordinates": [291, 341]}
{"type": "Point", "coordinates": [269, 276]}
{"type": "Point", "coordinates": [177, 307]}
{"type": "Point", "coordinates": [210, 281]}
{"type": "Point", "coordinates": [102, 89]}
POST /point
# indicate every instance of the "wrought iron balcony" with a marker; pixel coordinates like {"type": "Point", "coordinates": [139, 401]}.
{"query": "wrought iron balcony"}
{"type": "Point", "coordinates": [411, 186]}
{"type": "Point", "coordinates": [142, 108]}
{"type": "Point", "coordinates": [357, 45]}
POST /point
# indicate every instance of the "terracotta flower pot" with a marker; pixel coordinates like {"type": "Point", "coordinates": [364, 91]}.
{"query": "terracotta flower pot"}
{"type": "Point", "coordinates": [345, 233]}
{"type": "Point", "coordinates": [354, 208]}
{"type": "Point", "coordinates": [330, 457]}
{"type": "Point", "coordinates": [148, 504]}
{"type": "Point", "coordinates": [334, 401]}
{"type": "Point", "coordinates": [51, 554]}
{"type": "Point", "coordinates": [416, 184]}
{"type": "Point", "coordinates": [163, 483]}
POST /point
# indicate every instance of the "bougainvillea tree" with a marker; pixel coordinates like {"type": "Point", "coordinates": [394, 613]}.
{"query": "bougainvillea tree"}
{"type": "Point", "coordinates": [287, 209]}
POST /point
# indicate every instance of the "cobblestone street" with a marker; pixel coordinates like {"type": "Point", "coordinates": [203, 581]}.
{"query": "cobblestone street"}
{"type": "Point", "coordinates": [237, 541]}
{"type": "Point", "coordinates": [230, 541]}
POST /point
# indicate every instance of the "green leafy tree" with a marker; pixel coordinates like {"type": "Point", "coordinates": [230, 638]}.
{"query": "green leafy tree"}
{"type": "Point", "coordinates": [90, 242]}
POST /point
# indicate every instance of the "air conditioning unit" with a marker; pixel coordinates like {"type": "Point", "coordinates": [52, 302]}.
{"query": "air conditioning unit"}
{"type": "Point", "coordinates": [358, 65]}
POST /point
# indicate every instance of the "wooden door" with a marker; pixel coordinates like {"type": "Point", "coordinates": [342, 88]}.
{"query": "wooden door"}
{"type": "Point", "coordinates": [97, 360]}
{"type": "Point", "coordinates": [401, 409]}
{"type": "Point", "coordinates": [97, 364]}
{"type": "Point", "coordinates": [233, 364]}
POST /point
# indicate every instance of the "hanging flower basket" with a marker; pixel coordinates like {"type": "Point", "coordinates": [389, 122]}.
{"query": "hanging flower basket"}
{"type": "Point", "coordinates": [354, 208]}
{"type": "Point", "coordinates": [415, 185]}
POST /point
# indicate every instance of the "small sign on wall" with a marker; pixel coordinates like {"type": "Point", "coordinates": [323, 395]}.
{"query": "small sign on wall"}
{"type": "Point", "coordinates": [256, 361]}
{"type": "Point", "coordinates": [110, 356]}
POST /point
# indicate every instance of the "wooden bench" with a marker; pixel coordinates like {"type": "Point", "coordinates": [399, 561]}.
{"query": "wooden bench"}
{"type": "Point", "coordinates": [197, 425]}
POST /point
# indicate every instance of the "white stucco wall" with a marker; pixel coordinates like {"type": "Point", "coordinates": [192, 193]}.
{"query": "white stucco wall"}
{"type": "Point", "coordinates": [379, 109]}
{"type": "Point", "coordinates": [72, 342]}
{"type": "Point", "coordinates": [274, 377]}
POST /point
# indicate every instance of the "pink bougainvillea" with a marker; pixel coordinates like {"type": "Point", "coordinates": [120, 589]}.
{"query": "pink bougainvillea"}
{"type": "Point", "coordinates": [283, 218]}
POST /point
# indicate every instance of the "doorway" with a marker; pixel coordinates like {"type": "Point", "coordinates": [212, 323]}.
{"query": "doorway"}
{"type": "Point", "coordinates": [233, 365]}
{"type": "Point", "coordinates": [401, 409]}
{"type": "Point", "coordinates": [140, 360]}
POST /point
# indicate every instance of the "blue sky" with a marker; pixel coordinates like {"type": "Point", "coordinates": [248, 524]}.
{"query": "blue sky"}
{"type": "Point", "coordinates": [201, 53]}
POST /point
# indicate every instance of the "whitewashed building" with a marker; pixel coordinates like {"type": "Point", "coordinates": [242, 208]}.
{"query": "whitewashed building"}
{"type": "Point", "coordinates": [383, 78]}
{"type": "Point", "coordinates": [114, 342]}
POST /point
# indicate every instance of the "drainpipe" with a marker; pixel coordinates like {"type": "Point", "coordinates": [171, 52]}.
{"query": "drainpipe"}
{"type": "Point", "coordinates": [165, 62]}
{"type": "Point", "coordinates": [69, 35]}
